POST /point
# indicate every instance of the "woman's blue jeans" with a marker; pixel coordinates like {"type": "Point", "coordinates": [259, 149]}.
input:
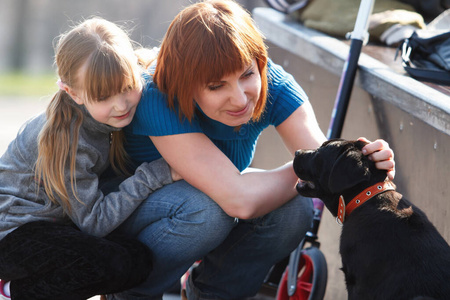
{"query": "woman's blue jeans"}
{"type": "Point", "coordinates": [181, 225]}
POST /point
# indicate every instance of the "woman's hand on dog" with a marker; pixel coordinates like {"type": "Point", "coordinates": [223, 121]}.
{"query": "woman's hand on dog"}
{"type": "Point", "coordinates": [383, 156]}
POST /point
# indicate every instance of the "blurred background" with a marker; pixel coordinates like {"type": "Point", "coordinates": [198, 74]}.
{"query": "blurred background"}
{"type": "Point", "coordinates": [29, 28]}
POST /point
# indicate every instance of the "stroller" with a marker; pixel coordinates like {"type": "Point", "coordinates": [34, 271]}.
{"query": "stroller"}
{"type": "Point", "coordinates": [305, 276]}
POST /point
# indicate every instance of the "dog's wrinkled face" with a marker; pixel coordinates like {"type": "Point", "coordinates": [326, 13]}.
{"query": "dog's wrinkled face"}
{"type": "Point", "coordinates": [333, 168]}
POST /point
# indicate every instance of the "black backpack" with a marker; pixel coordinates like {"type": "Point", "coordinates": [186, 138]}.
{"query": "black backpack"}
{"type": "Point", "coordinates": [427, 58]}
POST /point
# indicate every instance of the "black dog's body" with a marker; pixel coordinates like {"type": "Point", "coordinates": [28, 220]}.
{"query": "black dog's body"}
{"type": "Point", "coordinates": [389, 248]}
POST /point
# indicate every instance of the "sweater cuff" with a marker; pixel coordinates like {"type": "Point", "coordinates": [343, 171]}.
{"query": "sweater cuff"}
{"type": "Point", "coordinates": [157, 168]}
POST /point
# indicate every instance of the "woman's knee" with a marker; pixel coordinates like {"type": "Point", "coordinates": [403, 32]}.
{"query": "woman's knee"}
{"type": "Point", "coordinates": [201, 220]}
{"type": "Point", "coordinates": [208, 215]}
{"type": "Point", "coordinates": [291, 221]}
{"type": "Point", "coordinates": [179, 214]}
{"type": "Point", "coordinates": [299, 211]}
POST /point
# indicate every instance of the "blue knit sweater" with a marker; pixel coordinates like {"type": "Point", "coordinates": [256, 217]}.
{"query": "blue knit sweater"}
{"type": "Point", "coordinates": [154, 118]}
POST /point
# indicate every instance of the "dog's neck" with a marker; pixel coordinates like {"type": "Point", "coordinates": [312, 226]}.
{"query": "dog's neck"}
{"type": "Point", "coordinates": [375, 177]}
{"type": "Point", "coordinates": [349, 201]}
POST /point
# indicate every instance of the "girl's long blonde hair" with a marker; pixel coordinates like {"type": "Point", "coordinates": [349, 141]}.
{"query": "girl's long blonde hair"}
{"type": "Point", "coordinates": [105, 53]}
{"type": "Point", "coordinates": [206, 41]}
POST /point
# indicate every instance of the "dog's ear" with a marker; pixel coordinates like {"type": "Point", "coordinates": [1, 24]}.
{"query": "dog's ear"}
{"type": "Point", "coordinates": [349, 169]}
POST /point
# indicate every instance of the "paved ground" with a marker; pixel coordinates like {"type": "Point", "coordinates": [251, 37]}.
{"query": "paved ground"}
{"type": "Point", "coordinates": [165, 297]}
{"type": "Point", "coordinates": [15, 112]}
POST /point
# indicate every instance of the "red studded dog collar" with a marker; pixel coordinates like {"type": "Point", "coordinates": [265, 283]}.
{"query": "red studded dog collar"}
{"type": "Point", "coordinates": [361, 198]}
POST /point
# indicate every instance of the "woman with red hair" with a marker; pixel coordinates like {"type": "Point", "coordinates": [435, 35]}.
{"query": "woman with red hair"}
{"type": "Point", "coordinates": [212, 92]}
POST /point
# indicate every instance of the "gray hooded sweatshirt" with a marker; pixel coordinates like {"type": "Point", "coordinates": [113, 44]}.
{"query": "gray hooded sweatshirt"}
{"type": "Point", "coordinates": [99, 214]}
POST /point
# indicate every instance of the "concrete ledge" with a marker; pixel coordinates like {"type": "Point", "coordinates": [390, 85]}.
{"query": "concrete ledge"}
{"type": "Point", "coordinates": [410, 95]}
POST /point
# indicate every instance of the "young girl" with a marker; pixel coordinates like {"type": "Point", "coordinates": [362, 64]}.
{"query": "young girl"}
{"type": "Point", "coordinates": [213, 92]}
{"type": "Point", "coordinates": [55, 240]}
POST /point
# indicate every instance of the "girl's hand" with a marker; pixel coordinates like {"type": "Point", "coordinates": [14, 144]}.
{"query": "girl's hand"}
{"type": "Point", "coordinates": [175, 175]}
{"type": "Point", "coordinates": [383, 156]}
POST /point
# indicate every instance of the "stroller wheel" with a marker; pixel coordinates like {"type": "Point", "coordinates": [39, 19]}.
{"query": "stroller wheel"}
{"type": "Point", "coordinates": [311, 279]}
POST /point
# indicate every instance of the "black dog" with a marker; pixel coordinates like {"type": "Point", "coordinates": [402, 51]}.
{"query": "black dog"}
{"type": "Point", "coordinates": [389, 248]}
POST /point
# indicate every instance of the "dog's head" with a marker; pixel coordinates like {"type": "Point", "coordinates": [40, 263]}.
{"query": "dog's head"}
{"type": "Point", "coordinates": [332, 169]}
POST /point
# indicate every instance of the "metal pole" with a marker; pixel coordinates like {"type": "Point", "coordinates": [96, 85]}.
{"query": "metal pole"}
{"type": "Point", "coordinates": [359, 36]}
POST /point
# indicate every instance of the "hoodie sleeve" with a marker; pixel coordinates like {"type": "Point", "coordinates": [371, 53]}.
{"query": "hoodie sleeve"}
{"type": "Point", "coordinates": [99, 214]}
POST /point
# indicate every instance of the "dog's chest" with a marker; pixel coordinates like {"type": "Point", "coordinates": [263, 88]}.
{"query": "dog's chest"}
{"type": "Point", "coordinates": [384, 254]}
